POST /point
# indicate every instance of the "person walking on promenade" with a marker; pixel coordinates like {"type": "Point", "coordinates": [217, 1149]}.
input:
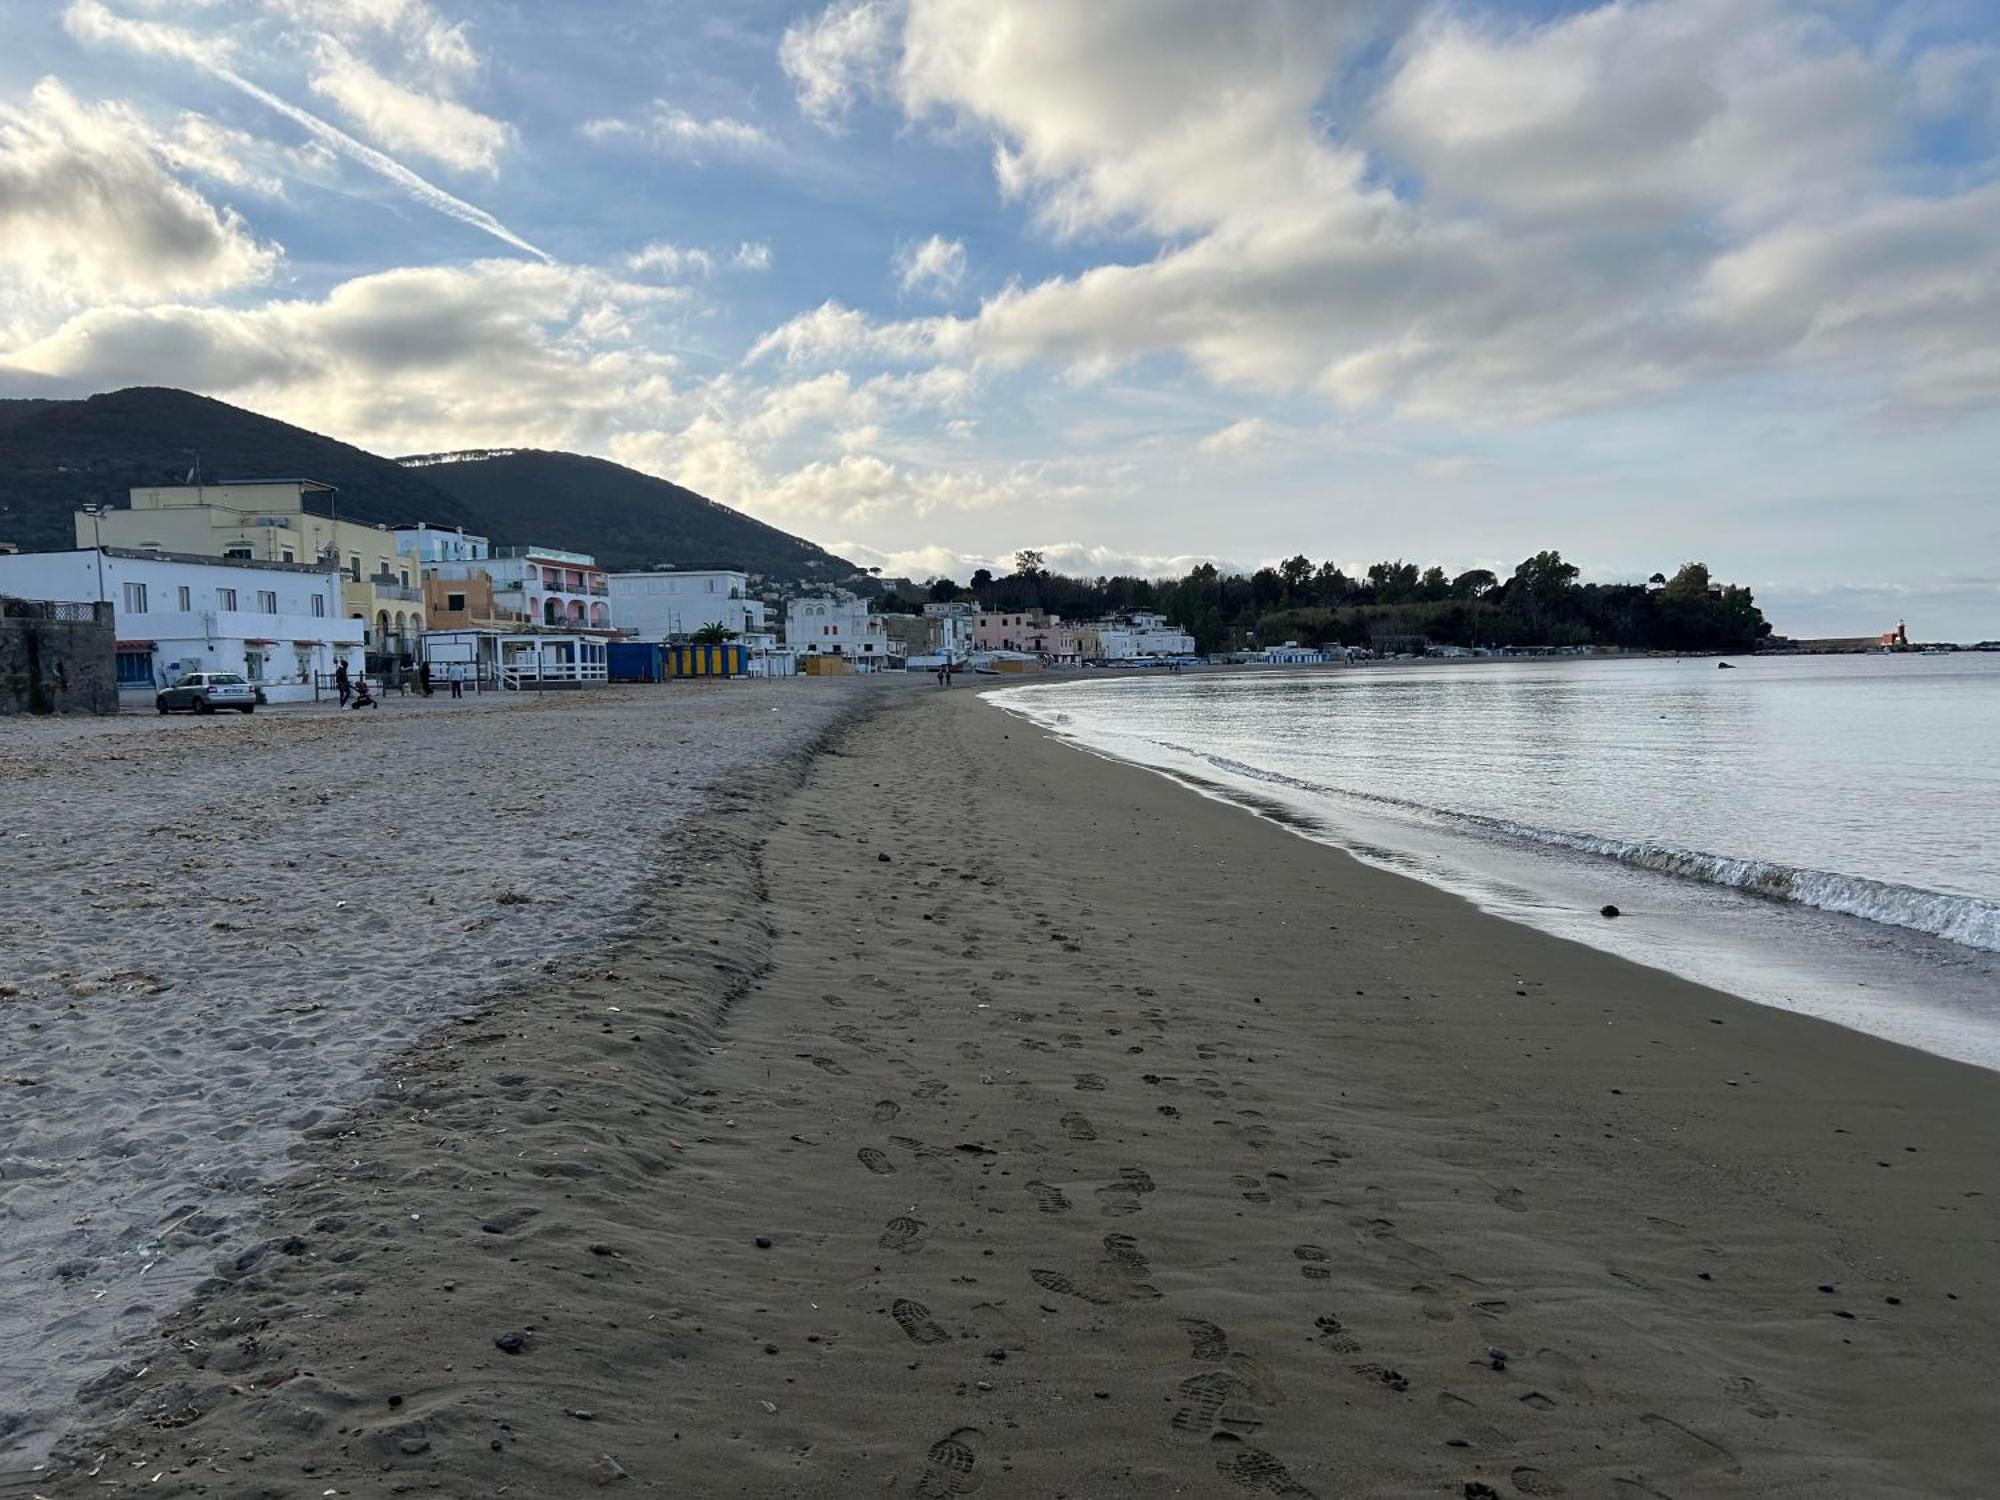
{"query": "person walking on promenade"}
{"type": "Point", "coordinates": [424, 678]}
{"type": "Point", "coordinates": [342, 684]}
{"type": "Point", "coordinates": [458, 682]}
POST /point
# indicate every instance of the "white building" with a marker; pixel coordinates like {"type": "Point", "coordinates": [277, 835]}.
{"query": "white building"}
{"type": "Point", "coordinates": [1140, 635]}
{"type": "Point", "coordinates": [836, 625]}
{"type": "Point", "coordinates": [434, 544]}
{"type": "Point", "coordinates": [279, 624]}
{"type": "Point", "coordinates": [663, 603]}
{"type": "Point", "coordinates": [952, 628]}
{"type": "Point", "coordinates": [543, 585]}
{"type": "Point", "coordinates": [1292, 654]}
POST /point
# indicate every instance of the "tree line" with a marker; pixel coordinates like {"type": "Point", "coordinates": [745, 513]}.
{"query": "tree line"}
{"type": "Point", "coordinates": [1392, 606]}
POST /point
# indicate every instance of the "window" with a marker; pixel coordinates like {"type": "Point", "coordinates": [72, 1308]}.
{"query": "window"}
{"type": "Point", "coordinates": [242, 552]}
{"type": "Point", "coordinates": [184, 598]}
{"type": "Point", "coordinates": [406, 577]}
{"type": "Point", "coordinates": [354, 566]}
{"type": "Point", "coordinates": [135, 598]}
{"type": "Point", "coordinates": [288, 555]}
{"type": "Point", "coordinates": [225, 599]}
{"type": "Point", "coordinates": [454, 602]}
{"type": "Point", "coordinates": [135, 668]}
{"type": "Point", "coordinates": [319, 606]}
{"type": "Point", "coordinates": [267, 602]}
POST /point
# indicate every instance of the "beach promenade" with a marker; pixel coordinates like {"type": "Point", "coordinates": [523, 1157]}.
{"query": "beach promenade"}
{"type": "Point", "coordinates": [961, 1113]}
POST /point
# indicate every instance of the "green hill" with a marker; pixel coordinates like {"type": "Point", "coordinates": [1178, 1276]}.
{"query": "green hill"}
{"type": "Point", "coordinates": [628, 519]}
{"type": "Point", "coordinates": [57, 456]}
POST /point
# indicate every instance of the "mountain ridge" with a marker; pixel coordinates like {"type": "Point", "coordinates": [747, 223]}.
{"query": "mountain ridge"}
{"type": "Point", "coordinates": [58, 455]}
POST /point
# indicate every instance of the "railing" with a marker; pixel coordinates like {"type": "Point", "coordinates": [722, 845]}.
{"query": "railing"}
{"type": "Point", "coordinates": [397, 591]}
{"type": "Point", "coordinates": [601, 589]}
{"type": "Point", "coordinates": [531, 675]}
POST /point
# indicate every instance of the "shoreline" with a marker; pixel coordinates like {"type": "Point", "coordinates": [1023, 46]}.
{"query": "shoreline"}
{"type": "Point", "coordinates": [999, 1115]}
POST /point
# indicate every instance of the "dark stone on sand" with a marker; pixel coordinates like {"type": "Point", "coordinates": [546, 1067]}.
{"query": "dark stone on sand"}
{"type": "Point", "coordinates": [1474, 1490]}
{"type": "Point", "coordinates": [395, 1400]}
{"type": "Point", "coordinates": [763, 1242]}
{"type": "Point", "coordinates": [1827, 1287]}
{"type": "Point", "coordinates": [607, 1470]}
{"type": "Point", "coordinates": [1843, 1313]}
{"type": "Point", "coordinates": [1607, 910]}
{"type": "Point", "coordinates": [996, 1354]}
{"type": "Point", "coordinates": [1893, 1301]}
{"type": "Point", "coordinates": [510, 1343]}
{"type": "Point", "coordinates": [1497, 1358]}
{"type": "Point", "coordinates": [770, 1348]}
{"type": "Point", "coordinates": [882, 859]}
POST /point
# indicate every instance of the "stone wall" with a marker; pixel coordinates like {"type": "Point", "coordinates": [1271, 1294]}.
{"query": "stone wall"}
{"type": "Point", "coordinates": [57, 658]}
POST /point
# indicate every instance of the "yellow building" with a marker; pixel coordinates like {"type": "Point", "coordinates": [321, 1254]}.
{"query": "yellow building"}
{"type": "Point", "coordinates": [276, 520]}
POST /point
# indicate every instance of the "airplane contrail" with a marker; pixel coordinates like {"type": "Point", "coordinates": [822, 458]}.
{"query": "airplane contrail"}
{"type": "Point", "coordinates": [90, 20]}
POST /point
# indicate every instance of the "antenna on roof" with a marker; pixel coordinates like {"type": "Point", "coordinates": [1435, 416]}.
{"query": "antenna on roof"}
{"type": "Point", "coordinates": [194, 474]}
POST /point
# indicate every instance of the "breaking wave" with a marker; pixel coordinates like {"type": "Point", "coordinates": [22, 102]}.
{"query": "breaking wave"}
{"type": "Point", "coordinates": [1965, 920]}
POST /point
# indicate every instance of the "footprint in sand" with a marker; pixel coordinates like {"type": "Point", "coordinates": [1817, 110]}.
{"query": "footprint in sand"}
{"type": "Point", "coordinates": [1049, 1200]}
{"type": "Point", "coordinates": [887, 1110]}
{"type": "Point", "coordinates": [1252, 1189]}
{"type": "Point", "coordinates": [828, 1065]}
{"type": "Point", "coordinates": [1090, 1083]}
{"type": "Point", "coordinates": [1063, 1286]}
{"type": "Point", "coordinates": [1530, 1481]}
{"type": "Point", "coordinates": [948, 1466]}
{"type": "Point", "coordinates": [1121, 1253]}
{"type": "Point", "coordinates": [1382, 1375]}
{"type": "Point", "coordinates": [1254, 1469]}
{"type": "Point", "coordinates": [902, 1233]}
{"type": "Point", "coordinates": [1214, 1401]}
{"type": "Point", "coordinates": [1511, 1199]}
{"type": "Point", "coordinates": [1206, 1341]}
{"type": "Point", "coordinates": [916, 1321]}
{"type": "Point", "coordinates": [1332, 1334]}
{"type": "Point", "coordinates": [1078, 1127]}
{"type": "Point", "coordinates": [1749, 1395]}
{"type": "Point", "coordinates": [1122, 1197]}
{"type": "Point", "coordinates": [875, 1161]}
{"type": "Point", "coordinates": [1313, 1262]}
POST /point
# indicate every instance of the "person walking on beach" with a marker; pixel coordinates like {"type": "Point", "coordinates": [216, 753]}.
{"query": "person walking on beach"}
{"type": "Point", "coordinates": [458, 682]}
{"type": "Point", "coordinates": [342, 684]}
{"type": "Point", "coordinates": [424, 678]}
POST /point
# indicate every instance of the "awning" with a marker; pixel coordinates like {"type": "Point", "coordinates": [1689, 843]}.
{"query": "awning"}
{"type": "Point", "coordinates": [135, 645]}
{"type": "Point", "coordinates": [258, 640]}
{"type": "Point", "coordinates": [308, 643]}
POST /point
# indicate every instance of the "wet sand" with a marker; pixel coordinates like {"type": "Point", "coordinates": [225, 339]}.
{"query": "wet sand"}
{"type": "Point", "coordinates": [975, 1115]}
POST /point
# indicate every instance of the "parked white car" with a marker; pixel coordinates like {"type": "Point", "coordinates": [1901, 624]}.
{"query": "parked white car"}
{"type": "Point", "coordinates": [205, 692]}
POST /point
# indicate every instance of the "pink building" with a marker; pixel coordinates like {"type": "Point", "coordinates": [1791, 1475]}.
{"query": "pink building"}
{"type": "Point", "coordinates": [1026, 630]}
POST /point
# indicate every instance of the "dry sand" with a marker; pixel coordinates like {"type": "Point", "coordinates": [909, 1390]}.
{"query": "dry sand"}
{"type": "Point", "coordinates": [216, 930]}
{"type": "Point", "coordinates": [982, 1116]}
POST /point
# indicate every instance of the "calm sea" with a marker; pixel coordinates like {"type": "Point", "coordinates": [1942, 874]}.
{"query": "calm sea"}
{"type": "Point", "coordinates": [1817, 833]}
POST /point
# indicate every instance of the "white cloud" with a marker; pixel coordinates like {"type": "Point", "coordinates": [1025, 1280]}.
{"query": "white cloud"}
{"type": "Point", "coordinates": [1236, 439]}
{"type": "Point", "coordinates": [90, 21]}
{"type": "Point", "coordinates": [674, 132]}
{"type": "Point", "coordinates": [411, 360]}
{"type": "Point", "coordinates": [406, 119]}
{"type": "Point", "coordinates": [1521, 220]}
{"type": "Point", "coordinates": [220, 153]}
{"type": "Point", "coordinates": [837, 56]}
{"type": "Point", "coordinates": [1077, 559]}
{"type": "Point", "coordinates": [752, 255]}
{"type": "Point", "coordinates": [935, 265]}
{"type": "Point", "coordinates": [90, 214]}
{"type": "Point", "coordinates": [670, 260]}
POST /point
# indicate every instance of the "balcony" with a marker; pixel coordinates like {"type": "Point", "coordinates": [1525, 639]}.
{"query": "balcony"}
{"type": "Point", "coordinates": [396, 591]}
{"type": "Point", "coordinates": [600, 588]}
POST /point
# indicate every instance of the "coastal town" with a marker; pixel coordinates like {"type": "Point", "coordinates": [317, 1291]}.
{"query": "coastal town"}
{"type": "Point", "coordinates": [262, 581]}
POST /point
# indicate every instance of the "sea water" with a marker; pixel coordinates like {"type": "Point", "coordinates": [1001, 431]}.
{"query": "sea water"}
{"type": "Point", "coordinates": [1816, 833]}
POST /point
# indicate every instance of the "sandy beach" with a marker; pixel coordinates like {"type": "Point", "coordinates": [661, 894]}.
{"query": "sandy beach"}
{"type": "Point", "coordinates": [217, 930]}
{"type": "Point", "coordinates": [956, 1113]}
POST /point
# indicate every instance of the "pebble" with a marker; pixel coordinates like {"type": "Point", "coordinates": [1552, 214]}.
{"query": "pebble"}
{"type": "Point", "coordinates": [763, 1242]}
{"type": "Point", "coordinates": [770, 1348]}
{"type": "Point", "coordinates": [510, 1343]}
{"type": "Point", "coordinates": [1607, 910]}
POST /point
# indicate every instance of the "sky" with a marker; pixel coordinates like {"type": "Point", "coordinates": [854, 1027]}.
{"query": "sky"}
{"type": "Point", "coordinates": [1137, 283]}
